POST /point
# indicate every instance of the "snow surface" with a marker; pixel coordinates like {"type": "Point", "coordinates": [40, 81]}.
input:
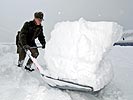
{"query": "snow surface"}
{"type": "Point", "coordinates": [16, 84]}
{"type": "Point", "coordinates": [128, 36]}
{"type": "Point", "coordinates": [77, 51]}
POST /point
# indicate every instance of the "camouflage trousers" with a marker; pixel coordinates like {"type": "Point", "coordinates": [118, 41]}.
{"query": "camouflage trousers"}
{"type": "Point", "coordinates": [22, 55]}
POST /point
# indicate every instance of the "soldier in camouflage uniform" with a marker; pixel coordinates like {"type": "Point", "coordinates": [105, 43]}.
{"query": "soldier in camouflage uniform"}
{"type": "Point", "coordinates": [25, 39]}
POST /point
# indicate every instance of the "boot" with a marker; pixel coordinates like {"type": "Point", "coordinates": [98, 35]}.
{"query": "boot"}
{"type": "Point", "coordinates": [20, 63]}
{"type": "Point", "coordinates": [28, 68]}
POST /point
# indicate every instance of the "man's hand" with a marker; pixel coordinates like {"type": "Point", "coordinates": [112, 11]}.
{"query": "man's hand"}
{"type": "Point", "coordinates": [27, 47]}
{"type": "Point", "coordinates": [43, 46]}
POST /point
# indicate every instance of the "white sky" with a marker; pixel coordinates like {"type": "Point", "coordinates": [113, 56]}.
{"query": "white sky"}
{"type": "Point", "coordinates": [15, 12]}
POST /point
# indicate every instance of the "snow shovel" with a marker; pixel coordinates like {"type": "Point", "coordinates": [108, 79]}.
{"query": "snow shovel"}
{"type": "Point", "coordinates": [59, 83]}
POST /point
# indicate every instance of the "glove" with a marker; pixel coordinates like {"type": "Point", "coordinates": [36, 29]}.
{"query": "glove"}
{"type": "Point", "coordinates": [27, 47]}
{"type": "Point", "coordinates": [43, 46]}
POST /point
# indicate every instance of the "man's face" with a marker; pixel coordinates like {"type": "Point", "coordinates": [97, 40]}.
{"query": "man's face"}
{"type": "Point", "coordinates": [38, 21]}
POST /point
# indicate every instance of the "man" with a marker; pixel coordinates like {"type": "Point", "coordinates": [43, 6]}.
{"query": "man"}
{"type": "Point", "coordinates": [25, 39]}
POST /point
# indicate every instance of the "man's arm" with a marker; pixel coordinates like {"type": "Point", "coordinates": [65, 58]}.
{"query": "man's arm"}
{"type": "Point", "coordinates": [41, 38]}
{"type": "Point", "coordinates": [23, 34]}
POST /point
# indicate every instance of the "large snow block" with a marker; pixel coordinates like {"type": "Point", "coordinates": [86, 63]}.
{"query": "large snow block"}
{"type": "Point", "coordinates": [77, 51]}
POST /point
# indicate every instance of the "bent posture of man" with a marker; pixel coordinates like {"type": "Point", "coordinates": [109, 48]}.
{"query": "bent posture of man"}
{"type": "Point", "coordinates": [25, 39]}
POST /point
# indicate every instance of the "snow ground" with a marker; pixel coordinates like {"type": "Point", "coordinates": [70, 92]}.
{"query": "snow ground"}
{"type": "Point", "coordinates": [121, 58]}
{"type": "Point", "coordinates": [128, 36]}
{"type": "Point", "coordinates": [16, 84]}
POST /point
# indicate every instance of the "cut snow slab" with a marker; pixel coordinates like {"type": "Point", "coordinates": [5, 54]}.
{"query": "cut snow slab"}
{"type": "Point", "coordinates": [77, 52]}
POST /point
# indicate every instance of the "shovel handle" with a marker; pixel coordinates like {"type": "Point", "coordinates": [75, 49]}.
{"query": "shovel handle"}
{"type": "Point", "coordinates": [35, 47]}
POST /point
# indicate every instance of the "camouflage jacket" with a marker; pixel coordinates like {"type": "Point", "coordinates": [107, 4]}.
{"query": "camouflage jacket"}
{"type": "Point", "coordinates": [29, 32]}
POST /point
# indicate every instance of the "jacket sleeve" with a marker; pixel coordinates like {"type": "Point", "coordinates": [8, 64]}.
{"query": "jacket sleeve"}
{"type": "Point", "coordinates": [17, 38]}
{"type": "Point", "coordinates": [41, 38]}
{"type": "Point", "coordinates": [24, 32]}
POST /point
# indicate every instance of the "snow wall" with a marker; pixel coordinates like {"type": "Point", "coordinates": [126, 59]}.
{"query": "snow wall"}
{"type": "Point", "coordinates": [77, 51]}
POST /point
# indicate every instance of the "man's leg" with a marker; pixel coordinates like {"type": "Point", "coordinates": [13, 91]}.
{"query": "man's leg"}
{"type": "Point", "coordinates": [34, 53]}
{"type": "Point", "coordinates": [22, 56]}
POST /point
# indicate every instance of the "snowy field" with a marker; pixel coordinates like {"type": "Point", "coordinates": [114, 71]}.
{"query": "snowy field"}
{"type": "Point", "coordinates": [127, 36]}
{"type": "Point", "coordinates": [16, 84]}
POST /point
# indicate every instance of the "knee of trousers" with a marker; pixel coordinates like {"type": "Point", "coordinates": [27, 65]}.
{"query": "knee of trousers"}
{"type": "Point", "coordinates": [35, 54]}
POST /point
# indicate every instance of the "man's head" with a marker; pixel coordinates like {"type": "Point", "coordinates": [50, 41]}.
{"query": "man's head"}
{"type": "Point", "coordinates": [38, 17]}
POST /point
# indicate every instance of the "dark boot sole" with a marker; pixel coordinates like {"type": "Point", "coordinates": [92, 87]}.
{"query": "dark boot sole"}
{"type": "Point", "coordinates": [29, 69]}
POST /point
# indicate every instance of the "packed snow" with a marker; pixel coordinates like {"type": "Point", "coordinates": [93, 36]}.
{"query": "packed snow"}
{"type": "Point", "coordinates": [77, 51]}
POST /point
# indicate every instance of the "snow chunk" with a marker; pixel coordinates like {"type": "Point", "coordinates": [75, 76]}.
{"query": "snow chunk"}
{"type": "Point", "coordinates": [77, 50]}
